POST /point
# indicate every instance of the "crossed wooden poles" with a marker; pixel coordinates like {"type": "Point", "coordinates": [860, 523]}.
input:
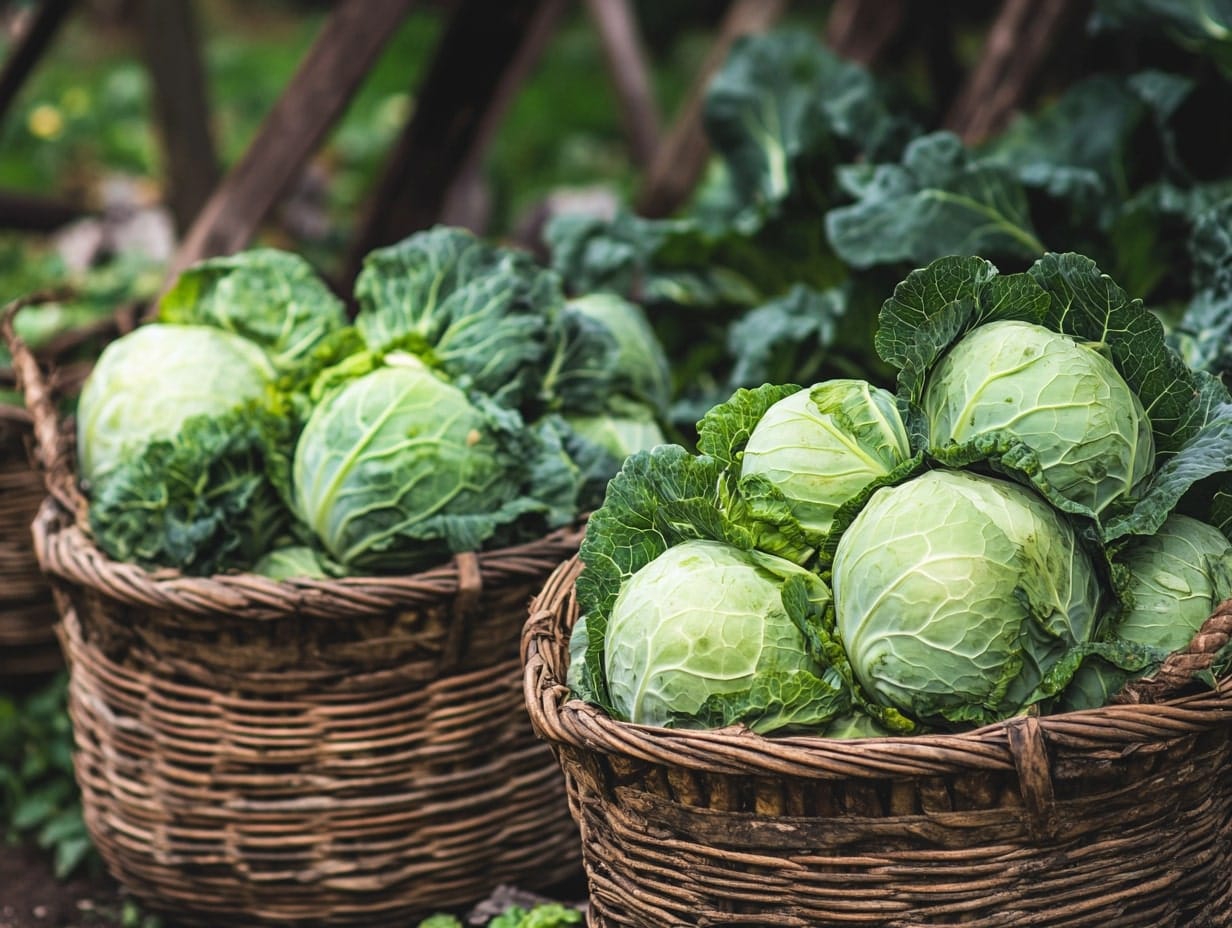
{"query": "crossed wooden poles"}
{"type": "Point", "coordinates": [486, 51]}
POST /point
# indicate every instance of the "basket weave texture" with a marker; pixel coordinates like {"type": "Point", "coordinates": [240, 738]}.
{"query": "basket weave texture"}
{"type": "Point", "coordinates": [1119, 817]}
{"type": "Point", "coordinates": [28, 646]}
{"type": "Point", "coordinates": [304, 752]}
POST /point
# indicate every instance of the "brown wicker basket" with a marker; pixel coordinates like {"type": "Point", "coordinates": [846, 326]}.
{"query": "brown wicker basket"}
{"type": "Point", "coordinates": [1108, 818]}
{"type": "Point", "coordinates": [28, 647]}
{"type": "Point", "coordinates": [310, 752]}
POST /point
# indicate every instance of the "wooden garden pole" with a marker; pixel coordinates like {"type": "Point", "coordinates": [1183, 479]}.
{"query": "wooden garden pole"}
{"type": "Point", "coordinates": [30, 48]}
{"type": "Point", "coordinates": [1017, 44]}
{"type": "Point", "coordinates": [326, 80]}
{"type": "Point", "coordinates": [626, 63]}
{"type": "Point", "coordinates": [859, 31]}
{"type": "Point", "coordinates": [172, 52]}
{"type": "Point", "coordinates": [479, 64]}
{"type": "Point", "coordinates": [681, 158]}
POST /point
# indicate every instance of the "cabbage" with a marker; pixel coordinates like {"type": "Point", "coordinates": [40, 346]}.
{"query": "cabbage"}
{"type": "Point", "coordinates": [954, 594]}
{"type": "Point", "coordinates": [396, 469]}
{"type": "Point", "coordinates": [1062, 399]}
{"type": "Point", "coordinates": [147, 384]}
{"type": "Point", "coordinates": [612, 350]}
{"type": "Point", "coordinates": [704, 625]}
{"type": "Point", "coordinates": [1176, 578]}
{"type": "Point", "coordinates": [182, 448]}
{"type": "Point", "coordinates": [823, 445]}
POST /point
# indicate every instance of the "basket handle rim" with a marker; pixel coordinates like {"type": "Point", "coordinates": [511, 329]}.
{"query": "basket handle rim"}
{"type": "Point", "coordinates": [51, 452]}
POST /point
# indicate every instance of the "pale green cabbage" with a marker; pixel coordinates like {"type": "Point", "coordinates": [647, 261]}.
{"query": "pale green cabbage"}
{"type": "Point", "coordinates": [1061, 398]}
{"type": "Point", "coordinates": [955, 593]}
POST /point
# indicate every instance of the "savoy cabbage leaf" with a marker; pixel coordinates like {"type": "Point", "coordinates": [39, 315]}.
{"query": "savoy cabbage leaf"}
{"type": "Point", "coordinates": [272, 298]}
{"type": "Point", "coordinates": [481, 314]}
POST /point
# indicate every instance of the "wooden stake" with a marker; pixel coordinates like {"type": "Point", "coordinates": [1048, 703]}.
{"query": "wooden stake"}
{"type": "Point", "coordinates": [859, 30]}
{"type": "Point", "coordinates": [626, 64]}
{"type": "Point", "coordinates": [328, 77]}
{"type": "Point", "coordinates": [1017, 45]}
{"type": "Point", "coordinates": [681, 158]}
{"type": "Point", "coordinates": [479, 65]}
{"type": "Point", "coordinates": [173, 56]}
{"type": "Point", "coordinates": [30, 48]}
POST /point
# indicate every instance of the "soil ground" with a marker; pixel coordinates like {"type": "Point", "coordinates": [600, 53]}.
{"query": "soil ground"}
{"type": "Point", "coordinates": [31, 897]}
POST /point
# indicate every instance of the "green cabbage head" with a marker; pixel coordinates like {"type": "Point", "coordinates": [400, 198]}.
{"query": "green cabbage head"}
{"type": "Point", "coordinates": [1177, 577]}
{"type": "Point", "coordinates": [955, 593]}
{"type": "Point", "coordinates": [1062, 399]}
{"type": "Point", "coordinates": [823, 445]}
{"type": "Point", "coordinates": [702, 631]}
{"type": "Point", "coordinates": [397, 468]}
{"type": "Point", "coordinates": [147, 384]}
{"type": "Point", "coordinates": [637, 366]}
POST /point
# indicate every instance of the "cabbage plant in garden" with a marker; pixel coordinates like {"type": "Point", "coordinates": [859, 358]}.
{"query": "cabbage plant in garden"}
{"type": "Point", "coordinates": [1007, 522]}
{"type": "Point", "coordinates": [467, 404]}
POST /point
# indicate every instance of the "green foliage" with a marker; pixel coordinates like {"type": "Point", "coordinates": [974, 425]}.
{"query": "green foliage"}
{"type": "Point", "coordinates": [201, 500]}
{"type": "Point", "coordinates": [481, 314]}
{"type": "Point", "coordinates": [272, 298]}
{"type": "Point", "coordinates": [38, 795]}
{"type": "Point", "coordinates": [547, 915]}
{"type": "Point", "coordinates": [939, 201]}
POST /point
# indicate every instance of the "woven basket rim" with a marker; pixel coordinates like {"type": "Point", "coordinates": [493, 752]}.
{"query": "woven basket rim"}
{"type": "Point", "coordinates": [566, 720]}
{"type": "Point", "coordinates": [65, 550]}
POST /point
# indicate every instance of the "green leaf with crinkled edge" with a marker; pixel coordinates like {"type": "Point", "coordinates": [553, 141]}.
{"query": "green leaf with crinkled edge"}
{"type": "Point", "coordinates": [724, 430]}
{"type": "Point", "coordinates": [777, 105]}
{"type": "Point", "coordinates": [202, 501]}
{"type": "Point", "coordinates": [934, 306]}
{"type": "Point", "coordinates": [1208, 452]}
{"type": "Point", "coordinates": [273, 298]}
{"type": "Point", "coordinates": [1206, 325]}
{"type": "Point", "coordinates": [847, 512]}
{"type": "Point", "coordinates": [940, 201]}
{"type": "Point", "coordinates": [796, 701]}
{"type": "Point", "coordinates": [1088, 305]}
{"type": "Point", "coordinates": [823, 644]}
{"type": "Point", "coordinates": [1107, 665]}
{"type": "Point", "coordinates": [1008, 455]}
{"type": "Point", "coordinates": [1084, 168]}
{"type": "Point", "coordinates": [658, 499]}
{"type": "Point", "coordinates": [787, 337]}
{"type": "Point", "coordinates": [483, 314]}
{"type": "Point", "coordinates": [758, 506]}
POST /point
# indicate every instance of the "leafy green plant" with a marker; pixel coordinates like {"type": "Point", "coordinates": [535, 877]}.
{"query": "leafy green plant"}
{"type": "Point", "coordinates": [977, 531]}
{"type": "Point", "coordinates": [547, 915]}
{"type": "Point", "coordinates": [39, 801]}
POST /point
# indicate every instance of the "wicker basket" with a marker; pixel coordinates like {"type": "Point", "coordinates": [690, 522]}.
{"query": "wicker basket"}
{"type": "Point", "coordinates": [28, 647]}
{"type": "Point", "coordinates": [311, 752]}
{"type": "Point", "coordinates": [1108, 818]}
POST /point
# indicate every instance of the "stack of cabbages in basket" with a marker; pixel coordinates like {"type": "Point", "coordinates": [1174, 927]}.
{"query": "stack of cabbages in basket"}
{"type": "Point", "coordinates": [468, 405]}
{"type": "Point", "coordinates": [1036, 517]}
